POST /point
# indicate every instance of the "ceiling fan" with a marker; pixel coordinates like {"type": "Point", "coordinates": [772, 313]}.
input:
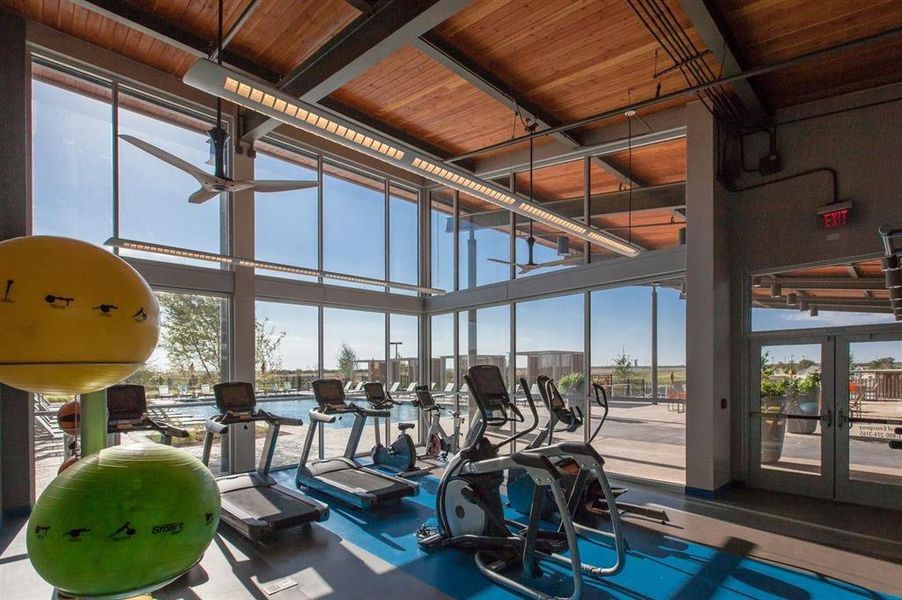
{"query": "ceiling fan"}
{"type": "Point", "coordinates": [531, 264]}
{"type": "Point", "coordinates": [213, 184]}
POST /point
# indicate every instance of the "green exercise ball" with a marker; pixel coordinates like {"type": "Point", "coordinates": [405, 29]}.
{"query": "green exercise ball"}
{"type": "Point", "coordinates": [123, 521]}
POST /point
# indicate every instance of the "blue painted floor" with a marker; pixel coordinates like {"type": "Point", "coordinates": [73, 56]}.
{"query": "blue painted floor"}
{"type": "Point", "coordinates": [657, 566]}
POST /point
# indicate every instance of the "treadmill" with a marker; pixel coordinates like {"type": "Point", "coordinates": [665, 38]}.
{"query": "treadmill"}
{"type": "Point", "coordinates": [343, 477]}
{"type": "Point", "coordinates": [253, 503]}
{"type": "Point", "coordinates": [126, 407]}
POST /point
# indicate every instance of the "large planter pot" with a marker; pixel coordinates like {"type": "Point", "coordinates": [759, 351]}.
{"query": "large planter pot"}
{"type": "Point", "coordinates": [802, 404]}
{"type": "Point", "coordinates": [773, 430]}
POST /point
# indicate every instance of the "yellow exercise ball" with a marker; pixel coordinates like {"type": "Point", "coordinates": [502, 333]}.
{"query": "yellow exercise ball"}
{"type": "Point", "coordinates": [74, 317]}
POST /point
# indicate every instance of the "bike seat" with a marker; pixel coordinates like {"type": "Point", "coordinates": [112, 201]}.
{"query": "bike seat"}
{"type": "Point", "coordinates": [405, 426]}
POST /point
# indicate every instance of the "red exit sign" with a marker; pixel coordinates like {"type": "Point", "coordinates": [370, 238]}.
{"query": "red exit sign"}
{"type": "Point", "coordinates": [834, 215]}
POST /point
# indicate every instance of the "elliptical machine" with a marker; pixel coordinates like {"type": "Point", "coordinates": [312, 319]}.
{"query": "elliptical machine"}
{"type": "Point", "coordinates": [468, 501]}
{"type": "Point", "coordinates": [438, 443]}
{"type": "Point", "coordinates": [585, 494]}
{"type": "Point", "coordinates": [401, 455]}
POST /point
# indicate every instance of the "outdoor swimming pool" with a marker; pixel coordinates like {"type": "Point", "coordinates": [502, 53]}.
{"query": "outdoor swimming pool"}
{"type": "Point", "coordinates": [297, 407]}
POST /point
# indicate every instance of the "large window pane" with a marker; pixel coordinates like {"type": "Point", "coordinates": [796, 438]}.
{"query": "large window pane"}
{"type": "Point", "coordinates": [403, 213]}
{"type": "Point", "coordinates": [153, 195]}
{"type": "Point", "coordinates": [443, 385]}
{"type": "Point", "coordinates": [550, 341]}
{"type": "Point", "coordinates": [642, 436]}
{"type": "Point", "coordinates": [72, 145]}
{"type": "Point", "coordinates": [287, 347]}
{"type": "Point", "coordinates": [354, 352]}
{"type": "Point", "coordinates": [354, 345]}
{"type": "Point", "coordinates": [827, 296]}
{"type": "Point", "coordinates": [442, 367]}
{"type": "Point", "coordinates": [484, 242]}
{"type": "Point", "coordinates": [287, 223]}
{"type": "Point", "coordinates": [190, 359]}
{"type": "Point", "coordinates": [484, 338]}
{"type": "Point", "coordinates": [287, 344]}
{"type": "Point", "coordinates": [441, 225]}
{"type": "Point", "coordinates": [403, 357]}
{"type": "Point", "coordinates": [671, 344]}
{"type": "Point", "coordinates": [561, 185]}
{"type": "Point", "coordinates": [614, 209]}
{"type": "Point", "coordinates": [353, 223]}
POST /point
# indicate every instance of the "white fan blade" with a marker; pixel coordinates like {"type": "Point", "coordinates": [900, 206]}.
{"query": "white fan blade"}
{"type": "Point", "coordinates": [175, 161]}
{"type": "Point", "coordinates": [201, 196]}
{"type": "Point", "coordinates": [276, 185]}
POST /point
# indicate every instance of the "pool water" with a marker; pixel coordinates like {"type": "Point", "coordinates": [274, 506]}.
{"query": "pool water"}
{"type": "Point", "coordinates": [297, 408]}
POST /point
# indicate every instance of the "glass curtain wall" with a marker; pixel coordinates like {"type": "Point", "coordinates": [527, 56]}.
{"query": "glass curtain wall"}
{"type": "Point", "coordinates": [72, 157]}
{"type": "Point", "coordinates": [192, 356]}
{"type": "Point", "coordinates": [484, 339]}
{"type": "Point", "coordinates": [551, 342]}
{"type": "Point", "coordinates": [353, 224]}
{"type": "Point", "coordinates": [403, 236]}
{"type": "Point", "coordinates": [286, 223]}
{"type": "Point", "coordinates": [153, 195]}
{"type": "Point", "coordinates": [441, 236]}
{"type": "Point", "coordinates": [441, 369]}
{"type": "Point", "coordinates": [645, 432]}
{"type": "Point", "coordinates": [483, 242]}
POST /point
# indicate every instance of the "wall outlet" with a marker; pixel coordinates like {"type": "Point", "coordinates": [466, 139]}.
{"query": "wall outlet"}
{"type": "Point", "coordinates": [770, 164]}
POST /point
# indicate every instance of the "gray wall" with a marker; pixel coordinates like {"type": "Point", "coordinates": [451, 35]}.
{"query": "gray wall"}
{"type": "Point", "coordinates": [775, 227]}
{"type": "Point", "coordinates": [16, 429]}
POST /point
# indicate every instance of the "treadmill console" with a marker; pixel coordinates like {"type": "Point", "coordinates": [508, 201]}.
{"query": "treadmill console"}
{"type": "Point", "coordinates": [330, 395]}
{"type": "Point", "coordinates": [375, 394]}
{"type": "Point", "coordinates": [237, 397]}
{"type": "Point", "coordinates": [125, 403]}
{"type": "Point", "coordinates": [424, 397]}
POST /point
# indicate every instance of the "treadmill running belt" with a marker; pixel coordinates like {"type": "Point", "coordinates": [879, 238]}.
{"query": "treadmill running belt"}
{"type": "Point", "coordinates": [271, 506]}
{"type": "Point", "coordinates": [380, 487]}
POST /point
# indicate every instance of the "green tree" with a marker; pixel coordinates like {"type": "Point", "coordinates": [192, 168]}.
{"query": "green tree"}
{"type": "Point", "coordinates": [192, 332]}
{"type": "Point", "coordinates": [192, 336]}
{"type": "Point", "coordinates": [267, 342]}
{"type": "Point", "coordinates": [346, 358]}
{"type": "Point", "coordinates": [623, 366]}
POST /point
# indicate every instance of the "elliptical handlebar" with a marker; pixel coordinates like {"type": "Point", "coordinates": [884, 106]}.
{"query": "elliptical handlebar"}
{"type": "Point", "coordinates": [601, 399]}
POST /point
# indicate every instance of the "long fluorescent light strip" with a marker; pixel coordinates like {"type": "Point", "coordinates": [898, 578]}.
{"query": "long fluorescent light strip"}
{"type": "Point", "coordinates": [214, 79]}
{"type": "Point", "coordinates": [261, 264]}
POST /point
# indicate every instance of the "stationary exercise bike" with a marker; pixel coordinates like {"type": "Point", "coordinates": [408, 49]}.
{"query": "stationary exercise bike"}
{"type": "Point", "coordinates": [468, 500]}
{"type": "Point", "coordinates": [401, 455]}
{"type": "Point", "coordinates": [438, 443]}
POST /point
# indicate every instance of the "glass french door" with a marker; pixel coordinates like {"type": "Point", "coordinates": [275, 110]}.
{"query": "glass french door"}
{"type": "Point", "coordinates": [869, 420]}
{"type": "Point", "coordinates": [826, 417]}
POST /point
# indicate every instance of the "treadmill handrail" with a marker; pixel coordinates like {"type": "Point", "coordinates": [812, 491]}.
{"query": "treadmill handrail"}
{"type": "Point", "coordinates": [214, 426]}
{"type": "Point", "coordinates": [322, 417]}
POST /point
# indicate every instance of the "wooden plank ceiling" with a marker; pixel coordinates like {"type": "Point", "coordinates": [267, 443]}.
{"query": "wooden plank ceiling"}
{"type": "Point", "coordinates": [574, 58]}
{"type": "Point", "coordinates": [769, 31]}
{"type": "Point", "coordinates": [279, 35]}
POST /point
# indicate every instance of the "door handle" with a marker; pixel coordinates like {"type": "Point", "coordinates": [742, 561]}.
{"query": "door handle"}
{"type": "Point", "coordinates": [827, 419]}
{"type": "Point", "coordinates": [841, 418]}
